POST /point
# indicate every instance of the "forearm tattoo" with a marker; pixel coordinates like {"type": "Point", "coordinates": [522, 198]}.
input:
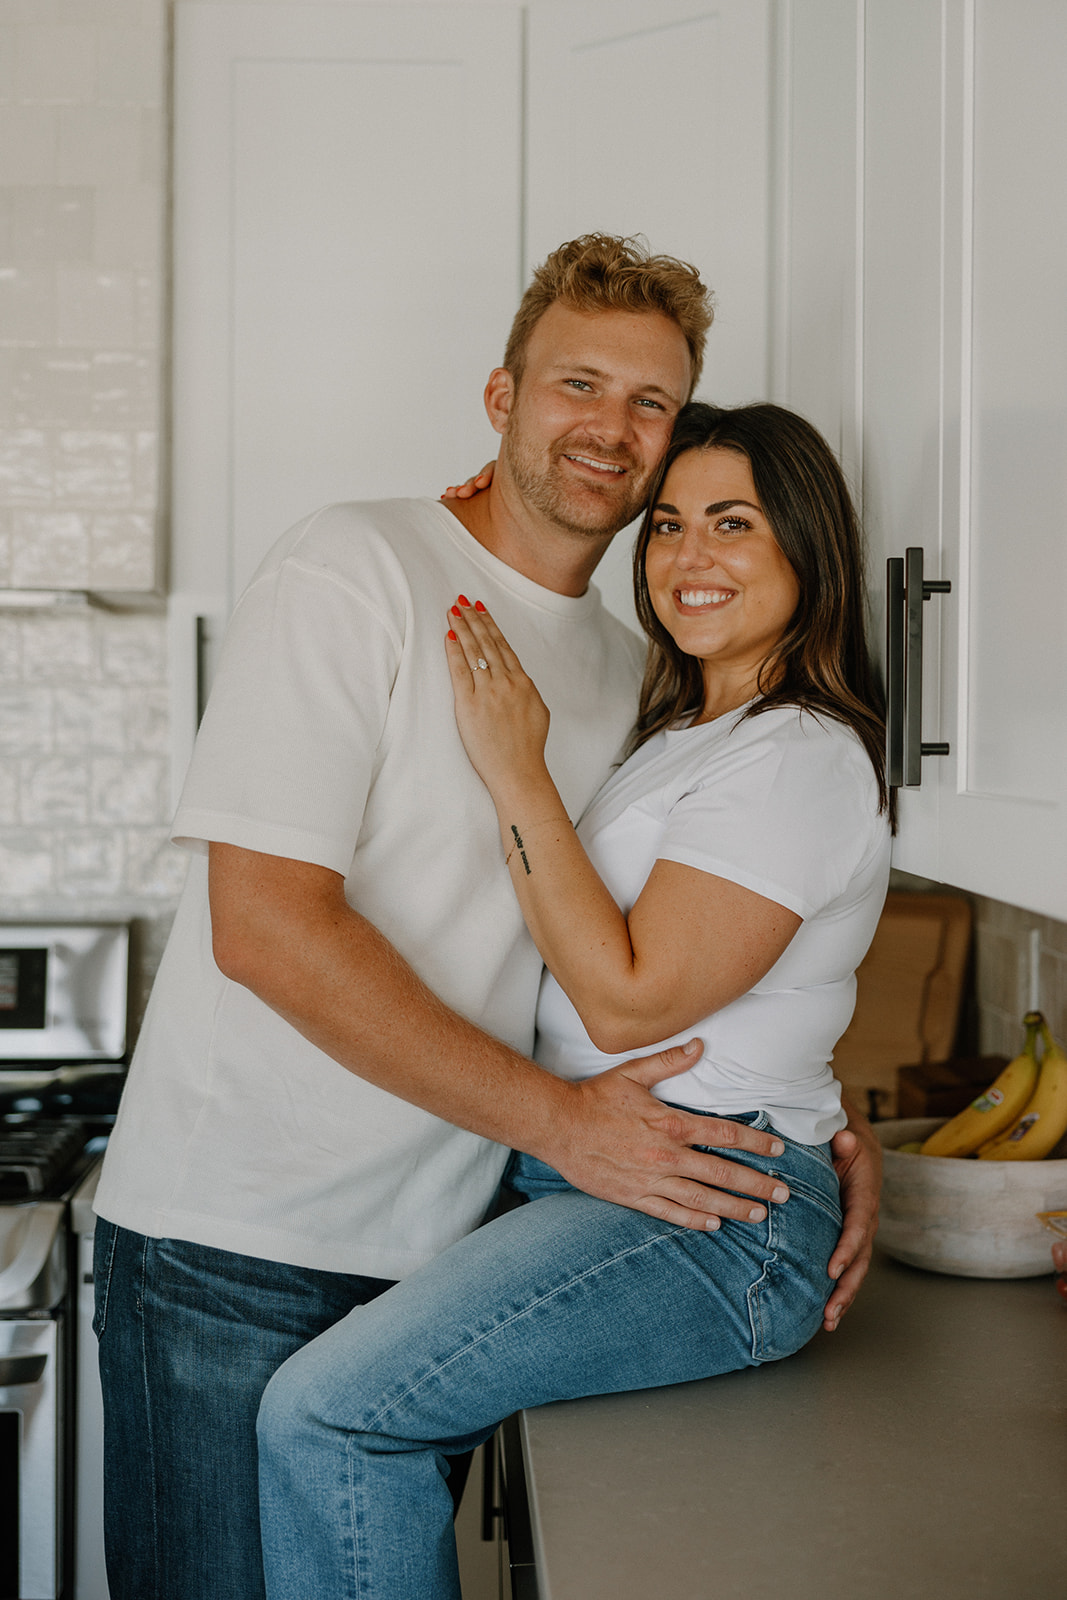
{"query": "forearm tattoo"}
{"type": "Point", "coordinates": [519, 847]}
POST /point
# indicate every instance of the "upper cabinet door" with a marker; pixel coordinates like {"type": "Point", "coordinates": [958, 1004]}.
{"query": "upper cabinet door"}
{"type": "Point", "coordinates": [925, 253]}
{"type": "Point", "coordinates": [656, 120]}
{"type": "Point", "coordinates": [1006, 684]}
{"type": "Point", "coordinates": [965, 417]}
{"type": "Point", "coordinates": [347, 260]}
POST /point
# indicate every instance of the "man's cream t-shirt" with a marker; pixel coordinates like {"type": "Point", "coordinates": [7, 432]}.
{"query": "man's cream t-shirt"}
{"type": "Point", "coordinates": [330, 737]}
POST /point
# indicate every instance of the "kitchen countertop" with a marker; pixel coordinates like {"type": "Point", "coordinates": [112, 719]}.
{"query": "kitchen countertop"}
{"type": "Point", "coordinates": [920, 1450]}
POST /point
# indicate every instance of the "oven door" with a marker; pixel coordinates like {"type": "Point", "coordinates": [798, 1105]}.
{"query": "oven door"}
{"type": "Point", "coordinates": [31, 1446]}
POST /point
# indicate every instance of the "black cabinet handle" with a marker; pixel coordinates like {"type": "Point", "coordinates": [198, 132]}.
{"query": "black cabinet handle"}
{"type": "Point", "coordinates": [906, 590]}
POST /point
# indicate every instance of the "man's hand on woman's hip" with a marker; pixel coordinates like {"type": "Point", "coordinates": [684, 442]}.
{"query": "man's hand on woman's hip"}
{"type": "Point", "coordinates": [620, 1143]}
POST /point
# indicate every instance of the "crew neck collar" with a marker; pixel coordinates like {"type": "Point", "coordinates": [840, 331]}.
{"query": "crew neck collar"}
{"type": "Point", "coordinates": [564, 605]}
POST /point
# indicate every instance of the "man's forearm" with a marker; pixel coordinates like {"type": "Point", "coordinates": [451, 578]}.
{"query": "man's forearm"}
{"type": "Point", "coordinates": [300, 952]}
{"type": "Point", "coordinates": [284, 930]}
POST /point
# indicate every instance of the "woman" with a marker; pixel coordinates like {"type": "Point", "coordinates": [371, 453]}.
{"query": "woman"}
{"type": "Point", "coordinates": [746, 841]}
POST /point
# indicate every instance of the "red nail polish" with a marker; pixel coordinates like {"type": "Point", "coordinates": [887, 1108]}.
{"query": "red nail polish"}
{"type": "Point", "coordinates": [463, 600]}
{"type": "Point", "coordinates": [451, 635]}
{"type": "Point", "coordinates": [456, 611]}
{"type": "Point", "coordinates": [478, 606]}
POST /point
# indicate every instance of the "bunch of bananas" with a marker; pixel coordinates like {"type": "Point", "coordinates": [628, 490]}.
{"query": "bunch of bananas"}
{"type": "Point", "coordinates": [1022, 1115]}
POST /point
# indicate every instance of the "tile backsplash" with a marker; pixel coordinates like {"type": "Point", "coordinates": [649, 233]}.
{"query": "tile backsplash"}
{"type": "Point", "coordinates": [84, 694]}
{"type": "Point", "coordinates": [84, 742]}
{"type": "Point", "coordinates": [82, 246]}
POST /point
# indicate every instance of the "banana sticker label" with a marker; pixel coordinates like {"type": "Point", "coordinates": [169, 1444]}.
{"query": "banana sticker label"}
{"type": "Point", "coordinates": [986, 1102]}
{"type": "Point", "coordinates": [1023, 1127]}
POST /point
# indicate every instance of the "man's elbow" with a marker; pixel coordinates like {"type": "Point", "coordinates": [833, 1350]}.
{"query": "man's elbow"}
{"type": "Point", "coordinates": [232, 949]}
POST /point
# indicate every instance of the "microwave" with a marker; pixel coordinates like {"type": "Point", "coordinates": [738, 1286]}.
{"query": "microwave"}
{"type": "Point", "coordinates": [63, 992]}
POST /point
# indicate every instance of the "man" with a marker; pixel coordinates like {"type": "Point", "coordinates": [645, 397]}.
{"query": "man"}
{"type": "Point", "coordinates": [335, 1059]}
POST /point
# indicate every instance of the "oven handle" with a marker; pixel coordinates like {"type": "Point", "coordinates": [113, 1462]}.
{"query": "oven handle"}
{"type": "Point", "coordinates": [21, 1369]}
{"type": "Point", "coordinates": [44, 1219]}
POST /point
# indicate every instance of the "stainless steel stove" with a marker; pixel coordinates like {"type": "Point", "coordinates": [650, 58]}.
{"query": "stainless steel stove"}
{"type": "Point", "coordinates": [63, 999]}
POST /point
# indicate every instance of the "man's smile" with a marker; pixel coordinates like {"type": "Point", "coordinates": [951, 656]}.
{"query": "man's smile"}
{"type": "Point", "coordinates": [593, 464]}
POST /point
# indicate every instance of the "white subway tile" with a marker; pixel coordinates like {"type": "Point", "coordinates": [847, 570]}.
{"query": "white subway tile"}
{"type": "Point", "coordinates": [147, 720]}
{"type": "Point", "coordinates": [27, 303]}
{"type": "Point", "coordinates": [8, 368]}
{"type": "Point", "coordinates": [98, 144]}
{"type": "Point", "coordinates": [133, 650]}
{"type": "Point", "coordinates": [146, 470]}
{"type": "Point", "coordinates": [59, 649]}
{"type": "Point", "coordinates": [9, 793]}
{"type": "Point", "coordinates": [52, 388]}
{"type": "Point", "coordinates": [90, 862]}
{"type": "Point", "coordinates": [54, 789]}
{"type": "Point", "coordinates": [56, 65]}
{"type": "Point", "coordinates": [25, 466]}
{"type": "Point", "coordinates": [90, 718]}
{"type": "Point", "coordinates": [8, 35]}
{"type": "Point", "coordinates": [148, 293]}
{"type": "Point", "coordinates": [94, 468]}
{"type": "Point", "coordinates": [50, 550]}
{"type": "Point", "coordinates": [25, 864]}
{"type": "Point", "coordinates": [29, 144]}
{"type": "Point", "coordinates": [124, 389]}
{"type": "Point", "coordinates": [25, 720]}
{"type": "Point", "coordinates": [153, 168]}
{"type": "Point", "coordinates": [10, 649]}
{"type": "Point", "coordinates": [128, 789]}
{"type": "Point", "coordinates": [131, 66]}
{"type": "Point", "coordinates": [122, 552]}
{"type": "Point", "coordinates": [130, 226]}
{"type": "Point", "coordinates": [95, 307]}
{"type": "Point", "coordinates": [51, 223]}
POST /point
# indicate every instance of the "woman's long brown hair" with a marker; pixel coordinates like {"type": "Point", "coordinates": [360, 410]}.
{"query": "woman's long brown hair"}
{"type": "Point", "coordinates": [822, 663]}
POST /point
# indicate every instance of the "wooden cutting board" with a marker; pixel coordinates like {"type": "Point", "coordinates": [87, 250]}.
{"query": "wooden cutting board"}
{"type": "Point", "coordinates": [909, 990]}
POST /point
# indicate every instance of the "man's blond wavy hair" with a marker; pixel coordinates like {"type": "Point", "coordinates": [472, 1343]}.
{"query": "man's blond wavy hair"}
{"type": "Point", "coordinates": [602, 272]}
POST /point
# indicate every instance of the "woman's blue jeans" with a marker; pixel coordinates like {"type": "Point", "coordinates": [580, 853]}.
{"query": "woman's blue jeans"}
{"type": "Point", "coordinates": [563, 1297]}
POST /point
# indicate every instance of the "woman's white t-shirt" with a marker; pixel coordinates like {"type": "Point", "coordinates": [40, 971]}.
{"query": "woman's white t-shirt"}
{"type": "Point", "coordinates": [783, 803]}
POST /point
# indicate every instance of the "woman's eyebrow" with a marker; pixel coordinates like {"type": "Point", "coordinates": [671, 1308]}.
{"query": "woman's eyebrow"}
{"type": "Point", "coordinates": [709, 511]}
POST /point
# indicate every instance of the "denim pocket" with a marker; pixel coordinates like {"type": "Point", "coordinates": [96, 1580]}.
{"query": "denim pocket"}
{"type": "Point", "coordinates": [785, 1304]}
{"type": "Point", "coordinates": [104, 1240]}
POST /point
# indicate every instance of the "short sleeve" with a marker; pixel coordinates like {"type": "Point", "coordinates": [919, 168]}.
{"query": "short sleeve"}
{"type": "Point", "coordinates": [286, 752]}
{"type": "Point", "coordinates": [789, 811]}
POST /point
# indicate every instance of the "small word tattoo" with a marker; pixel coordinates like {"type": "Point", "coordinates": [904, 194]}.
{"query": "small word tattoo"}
{"type": "Point", "coordinates": [519, 848]}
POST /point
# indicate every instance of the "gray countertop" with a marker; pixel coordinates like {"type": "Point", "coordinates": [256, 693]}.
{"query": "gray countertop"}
{"type": "Point", "coordinates": [920, 1450]}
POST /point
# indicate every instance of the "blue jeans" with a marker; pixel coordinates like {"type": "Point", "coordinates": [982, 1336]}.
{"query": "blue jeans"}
{"type": "Point", "coordinates": [188, 1339]}
{"type": "Point", "coordinates": [563, 1297]}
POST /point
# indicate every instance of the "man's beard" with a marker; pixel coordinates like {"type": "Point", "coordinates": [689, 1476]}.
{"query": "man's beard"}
{"type": "Point", "coordinates": [578, 508]}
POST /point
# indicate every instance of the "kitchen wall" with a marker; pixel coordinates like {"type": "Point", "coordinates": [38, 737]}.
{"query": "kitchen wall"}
{"type": "Point", "coordinates": [84, 795]}
{"type": "Point", "coordinates": [84, 782]}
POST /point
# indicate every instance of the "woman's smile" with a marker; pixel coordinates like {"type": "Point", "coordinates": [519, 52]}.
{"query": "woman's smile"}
{"type": "Point", "coordinates": [700, 599]}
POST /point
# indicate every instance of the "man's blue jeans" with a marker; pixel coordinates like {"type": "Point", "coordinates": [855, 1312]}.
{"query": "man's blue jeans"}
{"type": "Point", "coordinates": [188, 1339]}
{"type": "Point", "coordinates": [563, 1297]}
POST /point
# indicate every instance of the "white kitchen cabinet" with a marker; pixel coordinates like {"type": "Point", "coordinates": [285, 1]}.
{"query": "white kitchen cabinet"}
{"type": "Point", "coordinates": [656, 119]}
{"type": "Point", "coordinates": [360, 193]}
{"type": "Point", "coordinates": [333, 325]}
{"type": "Point", "coordinates": [333, 322]}
{"type": "Point", "coordinates": [931, 254]}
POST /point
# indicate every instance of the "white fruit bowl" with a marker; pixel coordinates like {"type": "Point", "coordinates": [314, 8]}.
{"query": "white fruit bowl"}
{"type": "Point", "coordinates": [974, 1219]}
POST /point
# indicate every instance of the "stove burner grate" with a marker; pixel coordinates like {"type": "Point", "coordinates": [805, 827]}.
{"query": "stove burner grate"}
{"type": "Point", "coordinates": [34, 1154]}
